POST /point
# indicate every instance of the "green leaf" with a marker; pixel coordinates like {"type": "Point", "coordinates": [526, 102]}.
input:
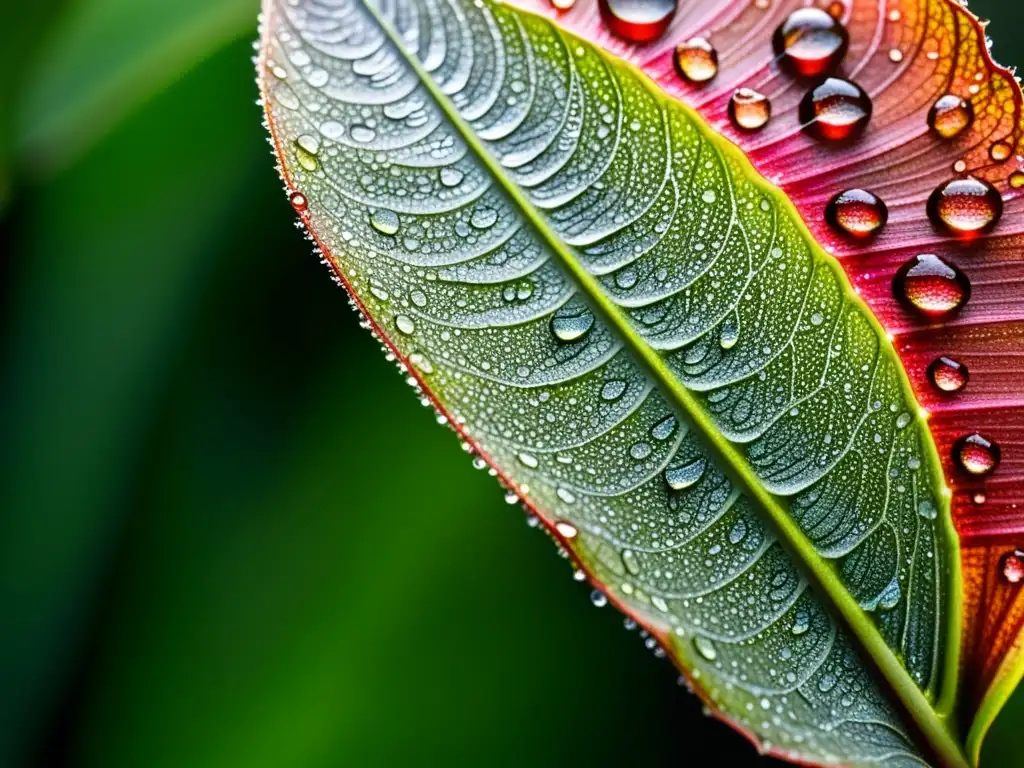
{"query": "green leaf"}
{"type": "Point", "coordinates": [619, 314]}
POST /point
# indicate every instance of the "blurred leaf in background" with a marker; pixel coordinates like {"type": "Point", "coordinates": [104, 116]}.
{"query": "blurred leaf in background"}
{"type": "Point", "coordinates": [229, 535]}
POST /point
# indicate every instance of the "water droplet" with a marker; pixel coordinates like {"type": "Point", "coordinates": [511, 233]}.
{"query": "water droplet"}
{"type": "Point", "coordinates": [451, 177]}
{"type": "Point", "coordinates": [298, 201]}
{"type": "Point", "coordinates": [729, 334]}
{"type": "Point", "coordinates": [965, 207]}
{"type": "Point", "coordinates": [976, 455]}
{"type": "Point", "coordinates": [637, 21]}
{"type": "Point", "coordinates": [566, 495]}
{"type": "Point", "coordinates": [511, 497]}
{"type": "Point", "coordinates": [810, 42]}
{"type": "Point", "coordinates": [931, 287]}
{"type": "Point", "coordinates": [483, 218]}
{"type": "Point", "coordinates": [749, 110]}
{"type": "Point", "coordinates": [857, 212]}
{"type": "Point", "coordinates": [903, 420]}
{"type": "Point", "coordinates": [801, 622]}
{"type": "Point", "coordinates": [895, 55]}
{"type": "Point", "coordinates": [405, 324]}
{"type": "Point", "coordinates": [419, 298]}
{"type": "Point", "coordinates": [640, 451]}
{"type": "Point", "coordinates": [527, 460]}
{"type": "Point", "coordinates": [362, 133]}
{"type": "Point", "coordinates": [305, 157]}
{"type": "Point", "coordinates": [664, 429]}
{"type": "Point", "coordinates": [598, 598]}
{"type": "Point", "coordinates": [1000, 151]}
{"type": "Point", "coordinates": [630, 561]}
{"type": "Point", "coordinates": [571, 327]}
{"type": "Point", "coordinates": [562, 5]}
{"type": "Point", "coordinates": [566, 530]}
{"type": "Point", "coordinates": [705, 648]}
{"type": "Point", "coordinates": [948, 375]}
{"type": "Point", "coordinates": [696, 60]}
{"type": "Point", "coordinates": [384, 221]}
{"type": "Point", "coordinates": [1012, 566]}
{"type": "Point", "coordinates": [927, 510]}
{"type": "Point", "coordinates": [612, 390]}
{"type": "Point", "coordinates": [835, 110]}
{"type": "Point", "coordinates": [680, 478]}
{"type": "Point", "coordinates": [950, 116]}
{"type": "Point", "coordinates": [738, 531]}
{"type": "Point", "coordinates": [1017, 180]}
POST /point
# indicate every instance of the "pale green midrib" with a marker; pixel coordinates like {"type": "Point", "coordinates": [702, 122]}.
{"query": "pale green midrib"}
{"type": "Point", "coordinates": [933, 727]}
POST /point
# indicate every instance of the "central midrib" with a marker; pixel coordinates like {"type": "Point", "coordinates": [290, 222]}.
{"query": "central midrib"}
{"type": "Point", "coordinates": [822, 575]}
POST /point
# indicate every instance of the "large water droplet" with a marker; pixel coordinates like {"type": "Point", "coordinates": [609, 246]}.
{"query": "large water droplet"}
{"type": "Point", "coordinates": [950, 116]}
{"type": "Point", "coordinates": [857, 212]}
{"type": "Point", "coordinates": [729, 333]}
{"type": "Point", "coordinates": [705, 647]}
{"type": "Point", "coordinates": [572, 326]}
{"type": "Point", "coordinates": [664, 429]}
{"type": "Point", "coordinates": [637, 21]}
{"type": "Point", "coordinates": [1000, 151]}
{"type": "Point", "coordinates": [680, 478]}
{"type": "Point", "coordinates": [1011, 565]}
{"type": "Point", "coordinates": [405, 324]}
{"type": "Point", "coordinates": [976, 455]}
{"type": "Point", "coordinates": [306, 147]}
{"type": "Point", "coordinates": [835, 110]}
{"type": "Point", "coordinates": [298, 201]}
{"type": "Point", "coordinates": [810, 42]}
{"type": "Point", "coordinates": [598, 598]}
{"type": "Point", "coordinates": [965, 207]}
{"type": "Point", "coordinates": [931, 287]}
{"type": "Point", "coordinates": [483, 218]}
{"type": "Point", "coordinates": [948, 375]}
{"type": "Point", "coordinates": [384, 221]}
{"type": "Point", "coordinates": [566, 530]}
{"type": "Point", "coordinates": [696, 60]}
{"type": "Point", "coordinates": [801, 622]}
{"type": "Point", "coordinates": [451, 177]}
{"type": "Point", "coordinates": [749, 110]}
{"type": "Point", "coordinates": [612, 390]}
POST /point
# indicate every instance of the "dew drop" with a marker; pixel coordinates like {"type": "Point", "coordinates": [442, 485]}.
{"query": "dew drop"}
{"type": "Point", "coordinates": [965, 207]}
{"type": "Point", "coordinates": [835, 110]}
{"type": "Point", "coordinates": [705, 648]}
{"type": "Point", "coordinates": [738, 531]}
{"type": "Point", "coordinates": [976, 455]}
{"type": "Point", "coordinates": [1012, 566]}
{"type": "Point", "coordinates": [810, 42]}
{"type": "Point", "coordinates": [927, 510]}
{"type": "Point", "coordinates": [749, 110]}
{"type": "Point", "coordinates": [598, 598]}
{"type": "Point", "coordinates": [1017, 180]}
{"type": "Point", "coordinates": [451, 177]}
{"type": "Point", "coordinates": [384, 221]}
{"type": "Point", "coordinates": [640, 451]}
{"type": "Point", "coordinates": [1000, 151]}
{"type": "Point", "coordinates": [680, 478]}
{"type": "Point", "coordinates": [801, 622]}
{"type": "Point", "coordinates": [696, 60]}
{"type": "Point", "coordinates": [298, 201]}
{"type": "Point", "coordinates": [566, 530]}
{"type": "Point", "coordinates": [857, 212]}
{"type": "Point", "coordinates": [362, 133]}
{"type": "Point", "coordinates": [950, 116]}
{"type": "Point", "coordinates": [664, 429]}
{"type": "Point", "coordinates": [571, 327]}
{"type": "Point", "coordinates": [931, 287]}
{"type": "Point", "coordinates": [612, 390]}
{"type": "Point", "coordinates": [948, 375]}
{"type": "Point", "coordinates": [562, 5]}
{"type": "Point", "coordinates": [405, 324]}
{"type": "Point", "coordinates": [305, 157]}
{"type": "Point", "coordinates": [903, 420]}
{"type": "Point", "coordinates": [729, 334]}
{"type": "Point", "coordinates": [637, 21]}
{"type": "Point", "coordinates": [527, 460]}
{"type": "Point", "coordinates": [483, 218]}
{"type": "Point", "coordinates": [566, 495]}
{"type": "Point", "coordinates": [630, 561]}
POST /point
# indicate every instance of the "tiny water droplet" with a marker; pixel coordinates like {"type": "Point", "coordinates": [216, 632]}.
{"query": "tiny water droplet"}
{"type": "Point", "coordinates": [801, 622]}
{"type": "Point", "coordinates": [384, 221]}
{"type": "Point", "coordinates": [705, 647]}
{"type": "Point", "coordinates": [903, 420]}
{"type": "Point", "coordinates": [857, 212]}
{"type": "Point", "coordinates": [729, 334]}
{"type": "Point", "coordinates": [835, 110]}
{"type": "Point", "coordinates": [976, 455]}
{"type": "Point", "coordinates": [483, 218]}
{"type": "Point", "coordinates": [566, 530]}
{"type": "Point", "coordinates": [749, 110]}
{"type": "Point", "coordinates": [965, 207]}
{"type": "Point", "coordinates": [298, 201]}
{"type": "Point", "coordinates": [931, 287]}
{"type": "Point", "coordinates": [637, 21]}
{"type": "Point", "coordinates": [405, 324]}
{"type": "Point", "coordinates": [612, 390]}
{"type": "Point", "coordinates": [696, 60]}
{"type": "Point", "coordinates": [362, 133]}
{"type": "Point", "coordinates": [571, 327]}
{"type": "Point", "coordinates": [927, 510]}
{"type": "Point", "coordinates": [680, 478]}
{"type": "Point", "coordinates": [895, 55]}
{"type": "Point", "coordinates": [451, 177]}
{"type": "Point", "coordinates": [630, 561]}
{"type": "Point", "coordinates": [527, 460]}
{"type": "Point", "coordinates": [640, 451]}
{"type": "Point", "coordinates": [511, 497]}
{"type": "Point", "coordinates": [1012, 566]}
{"type": "Point", "coordinates": [950, 116]}
{"type": "Point", "coordinates": [948, 375]}
{"type": "Point", "coordinates": [738, 531]}
{"type": "Point", "coordinates": [1000, 151]}
{"type": "Point", "coordinates": [810, 42]}
{"type": "Point", "coordinates": [598, 598]}
{"type": "Point", "coordinates": [1017, 180]}
{"type": "Point", "coordinates": [566, 495]}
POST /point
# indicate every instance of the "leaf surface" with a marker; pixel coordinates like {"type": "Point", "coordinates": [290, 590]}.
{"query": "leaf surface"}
{"type": "Point", "coordinates": [905, 54]}
{"type": "Point", "coordinates": [639, 333]}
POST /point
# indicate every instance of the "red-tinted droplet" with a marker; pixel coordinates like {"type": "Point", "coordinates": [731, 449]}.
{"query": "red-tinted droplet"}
{"type": "Point", "coordinates": [931, 287]}
{"type": "Point", "coordinates": [1000, 151]}
{"type": "Point", "coordinates": [562, 5]}
{"type": "Point", "coordinates": [810, 42]}
{"type": "Point", "coordinates": [835, 110]}
{"type": "Point", "coordinates": [1011, 565]}
{"type": "Point", "coordinates": [637, 21]}
{"type": "Point", "coordinates": [298, 201]}
{"type": "Point", "coordinates": [976, 455]}
{"type": "Point", "coordinates": [749, 110]}
{"type": "Point", "coordinates": [1017, 180]}
{"type": "Point", "coordinates": [950, 116]}
{"type": "Point", "coordinates": [965, 207]}
{"type": "Point", "coordinates": [857, 213]}
{"type": "Point", "coordinates": [696, 60]}
{"type": "Point", "coordinates": [947, 375]}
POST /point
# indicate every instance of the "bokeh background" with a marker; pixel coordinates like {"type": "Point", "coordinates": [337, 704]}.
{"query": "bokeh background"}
{"type": "Point", "coordinates": [229, 534]}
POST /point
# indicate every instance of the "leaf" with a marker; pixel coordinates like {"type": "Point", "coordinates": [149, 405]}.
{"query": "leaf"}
{"type": "Point", "coordinates": [940, 48]}
{"type": "Point", "coordinates": [637, 331]}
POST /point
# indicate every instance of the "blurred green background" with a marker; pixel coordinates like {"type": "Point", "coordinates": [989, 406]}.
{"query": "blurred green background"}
{"type": "Point", "coordinates": [229, 534]}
